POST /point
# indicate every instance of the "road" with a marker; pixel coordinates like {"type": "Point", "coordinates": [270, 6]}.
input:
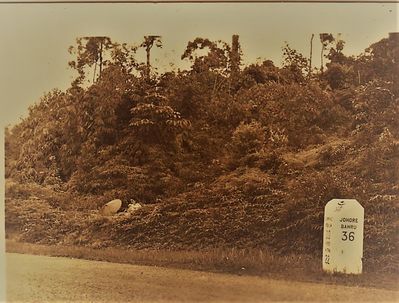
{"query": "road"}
{"type": "Point", "coordinates": [33, 278]}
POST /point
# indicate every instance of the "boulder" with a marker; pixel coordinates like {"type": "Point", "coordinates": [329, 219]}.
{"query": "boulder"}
{"type": "Point", "coordinates": [111, 207]}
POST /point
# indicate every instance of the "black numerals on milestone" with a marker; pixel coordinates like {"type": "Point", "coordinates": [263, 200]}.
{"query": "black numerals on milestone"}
{"type": "Point", "coordinates": [348, 236]}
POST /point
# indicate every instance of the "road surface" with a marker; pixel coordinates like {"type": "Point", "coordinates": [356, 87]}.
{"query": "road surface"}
{"type": "Point", "coordinates": [42, 279]}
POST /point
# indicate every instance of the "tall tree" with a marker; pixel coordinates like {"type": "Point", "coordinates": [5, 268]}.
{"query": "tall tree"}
{"type": "Point", "coordinates": [216, 59]}
{"type": "Point", "coordinates": [295, 63]}
{"type": "Point", "coordinates": [148, 43]}
{"type": "Point", "coordinates": [235, 55]}
{"type": "Point", "coordinates": [325, 39]}
{"type": "Point", "coordinates": [310, 57]}
{"type": "Point", "coordinates": [89, 51]}
{"type": "Point", "coordinates": [381, 61]}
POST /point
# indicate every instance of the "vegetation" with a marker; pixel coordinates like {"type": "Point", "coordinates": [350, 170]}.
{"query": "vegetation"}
{"type": "Point", "coordinates": [220, 155]}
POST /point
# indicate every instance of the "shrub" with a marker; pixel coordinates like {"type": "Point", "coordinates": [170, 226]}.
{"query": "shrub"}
{"type": "Point", "coordinates": [251, 182]}
{"type": "Point", "coordinates": [300, 114]}
{"type": "Point", "coordinates": [247, 139]}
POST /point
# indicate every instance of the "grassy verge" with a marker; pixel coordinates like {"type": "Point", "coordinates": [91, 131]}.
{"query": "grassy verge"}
{"type": "Point", "coordinates": [234, 261]}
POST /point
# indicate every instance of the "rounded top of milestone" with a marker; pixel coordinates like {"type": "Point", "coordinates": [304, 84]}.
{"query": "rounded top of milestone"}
{"type": "Point", "coordinates": [340, 204]}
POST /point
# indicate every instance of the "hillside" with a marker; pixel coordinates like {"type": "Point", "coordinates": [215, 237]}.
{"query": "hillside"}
{"type": "Point", "coordinates": [219, 156]}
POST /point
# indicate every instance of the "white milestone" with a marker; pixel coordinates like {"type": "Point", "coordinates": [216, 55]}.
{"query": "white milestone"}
{"type": "Point", "coordinates": [343, 236]}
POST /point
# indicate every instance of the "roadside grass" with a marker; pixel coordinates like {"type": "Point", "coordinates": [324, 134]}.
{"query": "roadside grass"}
{"type": "Point", "coordinates": [30, 211]}
{"type": "Point", "coordinates": [258, 262]}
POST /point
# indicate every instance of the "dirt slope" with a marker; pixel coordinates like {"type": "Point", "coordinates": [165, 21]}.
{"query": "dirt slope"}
{"type": "Point", "coordinates": [40, 279]}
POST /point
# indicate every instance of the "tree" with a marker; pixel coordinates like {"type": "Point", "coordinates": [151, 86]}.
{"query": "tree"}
{"type": "Point", "coordinates": [148, 43]}
{"type": "Point", "coordinates": [216, 59]}
{"type": "Point", "coordinates": [49, 139]}
{"type": "Point", "coordinates": [338, 76]}
{"type": "Point", "coordinates": [340, 73]}
{"type": "Point", "coordinates": [89, 51]}
{"type": "Point", "coordinates": [154, 121]}
{"type": "Point", "coordinates": [295, 62]}
{"type": "Point", "coordinates": [310, 56]}
{"type": "Point", "coordinates": [123, 55]}
{"type": "Point", "coordinates": [335, 54]}
{"type": "Point", "coordinates": [325, 40]}
{"type": "Point", "coordinates": [381, 61]}
{"type": "Point", "coordinates": [235, 55]}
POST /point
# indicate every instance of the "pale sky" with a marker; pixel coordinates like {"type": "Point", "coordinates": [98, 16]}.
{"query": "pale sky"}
{"type": "Point", "coordinates": [35, 37]}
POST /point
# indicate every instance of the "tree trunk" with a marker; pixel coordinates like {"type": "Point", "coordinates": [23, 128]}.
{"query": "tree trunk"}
{"type": "Point", "coordinates": [148, 51]}
{"type": "Point", "coordinates": [310, 58]}
{"type": "Point", "coordinates": [95, 68]}
{"type": "Point", "coordinates": [101, 58]}
{"type": "Point", "coordinates": [235, 55]}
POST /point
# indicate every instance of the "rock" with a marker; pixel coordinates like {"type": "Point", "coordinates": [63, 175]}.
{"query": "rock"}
{"type": "Point", "coordinates": [111, 207]}
{"type": "Point", "coordinates": [134, 207]}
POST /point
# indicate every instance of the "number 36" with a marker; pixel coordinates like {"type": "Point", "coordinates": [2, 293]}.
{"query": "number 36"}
{"type": "Point", "coordinates": [348, 236]}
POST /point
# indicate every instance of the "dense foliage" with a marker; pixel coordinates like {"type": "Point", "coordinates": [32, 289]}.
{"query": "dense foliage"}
{"type": "Point", "coordinates": [222, 155]}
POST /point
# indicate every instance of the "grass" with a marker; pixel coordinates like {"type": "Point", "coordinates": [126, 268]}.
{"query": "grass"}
{"type": "Point", "coordinates": [234, 261]}
{"type": "Point", "coordinates": [30, 209]}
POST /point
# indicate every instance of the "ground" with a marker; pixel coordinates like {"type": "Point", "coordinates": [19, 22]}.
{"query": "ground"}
{"type": "Point", "coordinates": [42, 279]}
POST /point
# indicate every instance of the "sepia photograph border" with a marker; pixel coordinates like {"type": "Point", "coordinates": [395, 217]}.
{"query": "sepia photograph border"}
{"type": "Point", "coordinates": [3, 264]}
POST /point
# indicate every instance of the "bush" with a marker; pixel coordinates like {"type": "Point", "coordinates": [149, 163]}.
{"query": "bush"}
{"type": "Point", "coordinates": [252, 182]}
{"type": "Point", "coordinates": [300, 114]}
{"type": "Point", "coordinates": [247, 139]}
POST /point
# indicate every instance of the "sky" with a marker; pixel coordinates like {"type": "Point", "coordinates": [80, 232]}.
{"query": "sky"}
{"type": "Point", "coordinates": [34, 38]}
